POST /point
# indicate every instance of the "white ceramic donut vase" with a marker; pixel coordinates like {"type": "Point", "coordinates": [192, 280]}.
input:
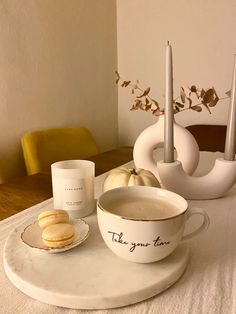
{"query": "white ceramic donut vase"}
{"type": "Point", "coordinates": [184, 142]}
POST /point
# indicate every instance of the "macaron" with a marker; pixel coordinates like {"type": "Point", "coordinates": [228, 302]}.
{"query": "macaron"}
{"type": "Point", "coordinates": [51, 217]}
{"type": "Point", "coordinates": [58, 235]}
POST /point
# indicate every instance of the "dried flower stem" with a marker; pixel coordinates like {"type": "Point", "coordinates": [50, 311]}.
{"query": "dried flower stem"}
{"type": "Point", "coordinates": [206, 98]}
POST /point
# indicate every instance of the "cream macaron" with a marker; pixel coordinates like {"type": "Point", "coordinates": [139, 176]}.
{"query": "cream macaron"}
{"type": "Point", "coordinates": [58, 235]}
{"type": "Point", "coordinates": [51, 217]}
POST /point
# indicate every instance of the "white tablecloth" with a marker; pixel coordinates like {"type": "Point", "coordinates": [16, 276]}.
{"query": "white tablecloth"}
{"type": "Point", "coordinates": [208, 285]}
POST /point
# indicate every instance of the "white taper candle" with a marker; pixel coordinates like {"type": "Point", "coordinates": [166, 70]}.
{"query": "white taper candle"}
{"type": "Point", "coordinates": [230, 140]}
{"type": "Point", "coordinates": [169, 115]}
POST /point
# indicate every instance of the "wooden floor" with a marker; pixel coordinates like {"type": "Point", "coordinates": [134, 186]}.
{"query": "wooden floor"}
{"type": "Point", "coordinates": [23, 192]}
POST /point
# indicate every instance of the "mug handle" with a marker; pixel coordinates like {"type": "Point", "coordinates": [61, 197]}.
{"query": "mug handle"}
{"type": "Point", "coordinates": [203, 226]}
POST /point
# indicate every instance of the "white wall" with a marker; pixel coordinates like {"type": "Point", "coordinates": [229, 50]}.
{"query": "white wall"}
{"type": "Point", "coordinates": [202, 34]}
{"type": "Point", "coordinates": [57, 62]}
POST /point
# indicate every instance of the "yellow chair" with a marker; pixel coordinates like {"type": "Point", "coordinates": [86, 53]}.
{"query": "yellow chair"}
{"type": "Point", "coordinates": [44, 147]}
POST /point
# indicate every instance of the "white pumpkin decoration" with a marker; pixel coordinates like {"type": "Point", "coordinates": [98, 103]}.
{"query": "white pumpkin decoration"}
{"type": "Point", "coordinates": [127, 177]}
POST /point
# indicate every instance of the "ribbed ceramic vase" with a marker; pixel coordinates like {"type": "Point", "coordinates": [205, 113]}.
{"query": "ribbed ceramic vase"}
{"type": "Point", "coordinates": [184, 142]}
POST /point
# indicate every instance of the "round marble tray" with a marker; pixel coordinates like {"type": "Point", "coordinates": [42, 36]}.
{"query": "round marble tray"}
{"type": "Point", "coordinates": [89, 276]}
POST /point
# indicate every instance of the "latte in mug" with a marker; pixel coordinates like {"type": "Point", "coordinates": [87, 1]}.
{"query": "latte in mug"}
{"type": "Point", "coordinates": [143, 208]}
{"type": "Point", "coordinates": [145, 224]}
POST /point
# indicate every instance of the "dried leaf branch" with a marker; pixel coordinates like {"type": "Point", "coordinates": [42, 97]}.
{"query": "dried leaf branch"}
{"type": "Point", "coordinates": [192, 98]}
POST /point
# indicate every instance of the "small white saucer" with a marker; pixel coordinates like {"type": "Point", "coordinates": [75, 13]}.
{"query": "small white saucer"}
{"type": "Point", "coordinates": [32, 237]}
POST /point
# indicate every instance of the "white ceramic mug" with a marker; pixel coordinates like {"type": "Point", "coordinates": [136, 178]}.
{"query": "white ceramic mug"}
{"type": "Point", "coordinates": [73, 186]}
{"type": "Point", "coordinates": [144, 224]}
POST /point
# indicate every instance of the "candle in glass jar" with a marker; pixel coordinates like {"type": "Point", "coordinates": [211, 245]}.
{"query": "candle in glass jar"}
{"type": "Point", "coordinates": [169, 115]}
{"type": "Point", "coordinates": [230, 140]}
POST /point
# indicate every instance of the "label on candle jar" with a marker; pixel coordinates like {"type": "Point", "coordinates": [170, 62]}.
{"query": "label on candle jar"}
{"type": "Point", "coordinates": [76, 193]}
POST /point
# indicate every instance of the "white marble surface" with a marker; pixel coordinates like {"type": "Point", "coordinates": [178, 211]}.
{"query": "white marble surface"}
{"type": "Point", "coordinates": [89, 276]}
